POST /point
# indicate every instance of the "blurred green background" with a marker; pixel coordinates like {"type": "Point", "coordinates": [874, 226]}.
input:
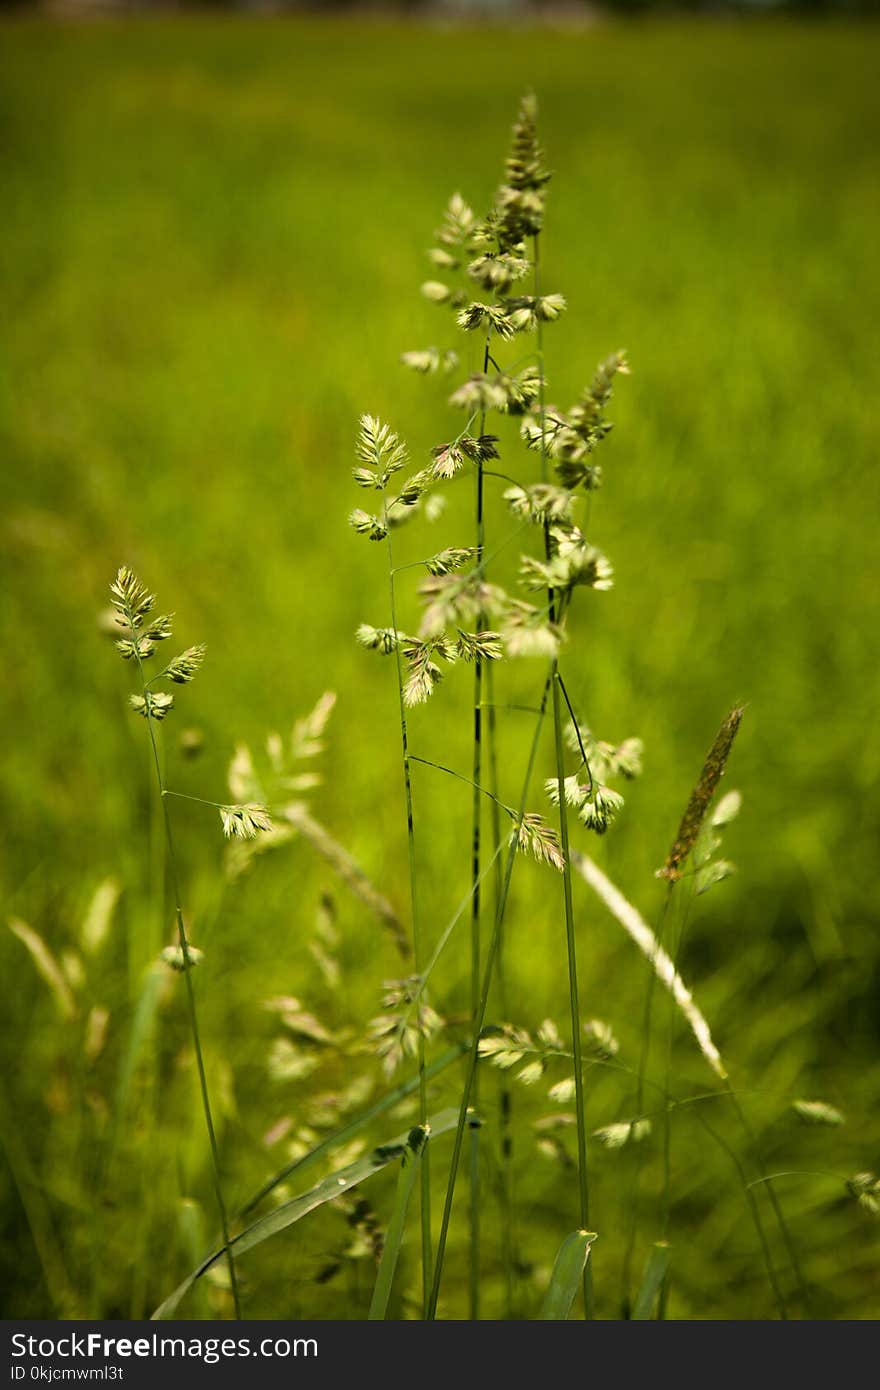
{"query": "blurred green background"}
{"type": "Point", "coordinates": [212, 239]}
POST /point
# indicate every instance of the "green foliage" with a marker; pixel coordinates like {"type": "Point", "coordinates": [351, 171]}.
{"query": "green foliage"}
{"type": "Point", "coordinates": [652, 1281]}
{"type": "Point", "coordinates": [568, 1269]}
{"type": "Point", "coordinates": [288, 1213]}
{"type": "Point", "coordinates": [409, 1167]}
{"type": "Point", "coordinates": [191, 406]}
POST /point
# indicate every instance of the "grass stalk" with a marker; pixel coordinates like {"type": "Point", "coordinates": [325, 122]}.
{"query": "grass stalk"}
{"type": "Point", "coordinates": [476, 832]}
{"type": "Point", "coordinates": [767, 1181]}
{"type": "Point", "coordinates": [778, 1214]}
{"type": "Point", "coordinates": [329, 1189]}
{"type": "Point", "coordinates": [409, 1165]}
{"type": "Point", "coordinates": [573, 993]}
{"type": "Point", "coordinates": [473, 1055]}
{"type": "Point", "coordinates": [505, 1090]}
{"type": "Point", "coordinates": [424, 1165]}
{"type": "Point", "coordinates": [644, 1051]}
{"type": "Point", "coordinates": [570, 938]}
{"type": "Point", "coordinates": [664, 969]}
{"type": "Point", "coordinates": [755, 1212]}
{"type": "Point", "coordinates": [174, 882]}
{"type": "Point", "coordinates": [667, 1074]}
{"type": "Point", "coordinates": [666, 1203]}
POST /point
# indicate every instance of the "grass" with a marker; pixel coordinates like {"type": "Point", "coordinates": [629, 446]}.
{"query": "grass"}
{"type": "Point", "coordinates": [212, 233]}
{"type": "Point", "coordinates": [132, 605]}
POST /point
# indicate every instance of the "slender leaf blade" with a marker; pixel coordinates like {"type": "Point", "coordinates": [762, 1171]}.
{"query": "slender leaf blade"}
{"type": "Point", "coordinates": [286, 1215]}
{"type": "Point", "coordinates": [652, 1281]}
{"type": "Point", "coordinates": [568, 1272]}
{"type": "Point", "coordinates": [409, 1167]}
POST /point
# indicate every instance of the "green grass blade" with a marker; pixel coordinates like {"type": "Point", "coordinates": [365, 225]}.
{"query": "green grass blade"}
{"type": "Point", "coordinates": [290, 1212]}
{"type": "Point", "coordinates": [409, 1166]}
{"type": "Point", "coordinates": [340, 1136]}
{"type": "Point", "coordinates": [568, 1271]}
{"type": "Point", "coordinates": [652, 1281]}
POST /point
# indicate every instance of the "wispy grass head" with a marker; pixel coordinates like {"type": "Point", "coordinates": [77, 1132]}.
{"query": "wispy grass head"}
{"type": "Point", "coordinates": [244, 822]}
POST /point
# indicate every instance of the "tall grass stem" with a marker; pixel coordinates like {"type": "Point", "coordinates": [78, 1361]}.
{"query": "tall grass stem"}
{"type": "Point", "coordinates": [424, 1164]}
{"type": "Point", "coordinates": [174, 881]}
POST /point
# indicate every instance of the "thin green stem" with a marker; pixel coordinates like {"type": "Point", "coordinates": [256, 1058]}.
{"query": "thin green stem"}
{"type": "Point", "coordinates": [394, 1234]}
{"type": "Point", "coordinates": [577, 730]}
{"type": "Point", "coordinates": [476, 831]}
{"type": "Point", "coordinates": [505, 1097]}
{"type": "Point", "coordinates": [773, 1199]}
{"type": "Point", "coordinates": [439, 948]}
{"type": "Point", "coordinates": [570, 938]}
{"type": "Point", "coordinates": [468, 781]}
{"type": "Point", "coordinates": [453, 923]}
{"type": "Point", "coordinates": [473, 1057]}
{"type": "Point", "coordinates": [755, 1214]}
{"type": "Point", "coordinates": [644, 1052]}
{"type": "Point", "coordinates": [424, 1166]}
{"type": "Point", "coordinates": [494, 810]}
{"type": "Point", "coordinates": [667, 1115]}
{"type": "Point", "coordinates": [754, 1210]}
{"type": "Point", "coordinates": [838, 1178]}
{"type": "Point", "coordinates": [505, 477]}
{"type": "Point", "coordinates": [573, 992]}
{"type": "Point", "coordinates": [505, 1090]}
{"type": "Point", "coordinates": [672, 1015]}
{"type": "Point", "coordinates": [174, 881]}
{"type": "Point", "coordinates": [185, 796]}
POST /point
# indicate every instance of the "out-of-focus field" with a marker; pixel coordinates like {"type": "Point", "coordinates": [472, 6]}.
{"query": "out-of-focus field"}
{"type": "Point", "coordinates": [212, 238]}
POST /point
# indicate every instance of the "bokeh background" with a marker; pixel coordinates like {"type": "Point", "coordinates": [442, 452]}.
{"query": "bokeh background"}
{"type": "Point", "coordinates": [212, 238]}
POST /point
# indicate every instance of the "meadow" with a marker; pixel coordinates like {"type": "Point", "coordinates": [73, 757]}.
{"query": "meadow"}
{"type": "Point", "coordinates": [213, 236]}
